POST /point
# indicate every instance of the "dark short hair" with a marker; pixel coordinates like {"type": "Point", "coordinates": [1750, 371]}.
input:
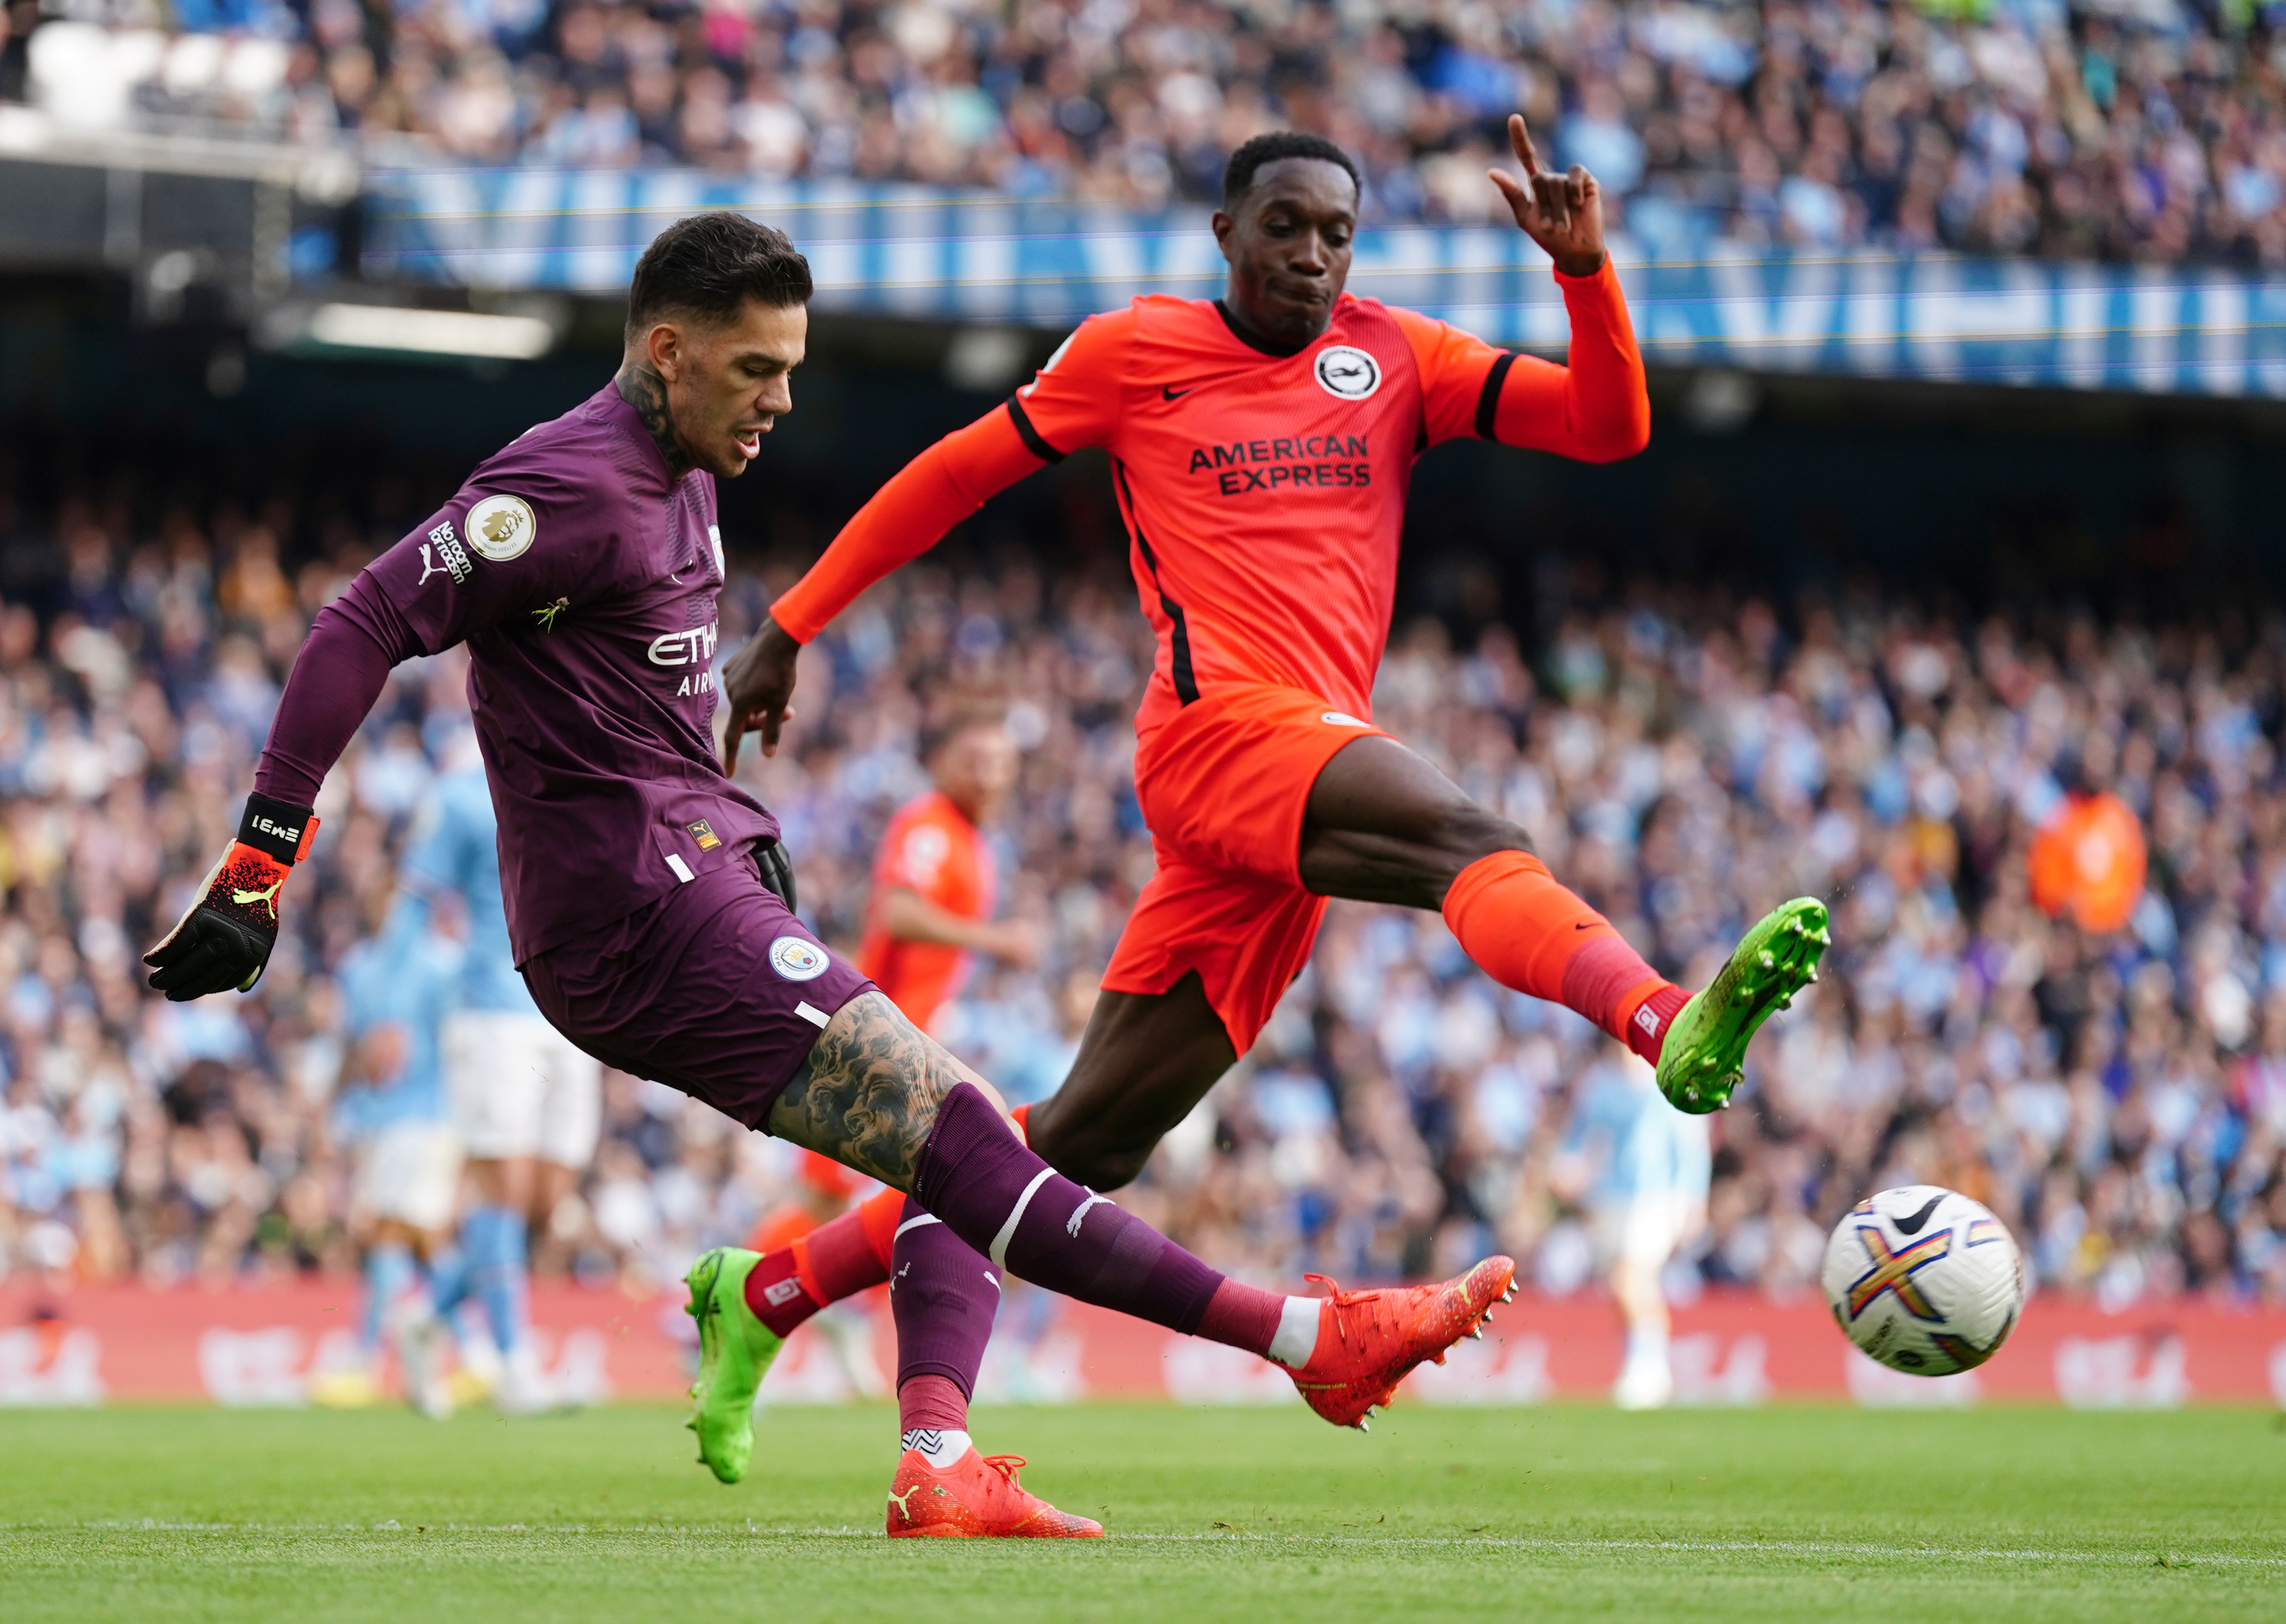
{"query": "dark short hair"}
{"type": "Point", "coordinates": [957, 718]}
{"type": "Point", "coordinates": [709, 265]}
{"type": "Point", "coordinates": [1238, 174]}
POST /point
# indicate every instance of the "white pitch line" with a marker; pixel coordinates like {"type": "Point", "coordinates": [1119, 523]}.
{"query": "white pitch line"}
{"type": "Point", "coordinates": [1801, 1548]}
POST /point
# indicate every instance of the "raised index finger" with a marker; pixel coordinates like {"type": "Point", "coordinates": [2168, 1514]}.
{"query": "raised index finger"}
{"type": "Point", "coordinates": [1520, 139]}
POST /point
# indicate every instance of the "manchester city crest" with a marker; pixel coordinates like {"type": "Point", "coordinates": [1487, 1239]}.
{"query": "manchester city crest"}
{"type": "Point", "coordinates": [798, 959]}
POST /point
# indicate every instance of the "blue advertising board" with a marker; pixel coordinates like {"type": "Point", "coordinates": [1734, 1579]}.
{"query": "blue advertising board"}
{"type": "Point", "coordinates": [1698, 300]}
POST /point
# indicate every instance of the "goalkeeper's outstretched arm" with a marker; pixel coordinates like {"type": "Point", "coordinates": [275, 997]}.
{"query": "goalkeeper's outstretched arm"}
{"type": "Point", "coordinates": [224, 938]}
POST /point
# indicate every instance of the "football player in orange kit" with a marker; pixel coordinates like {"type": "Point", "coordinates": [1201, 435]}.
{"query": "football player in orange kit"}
{"type": "Point", "coordinates": [1261, 447]}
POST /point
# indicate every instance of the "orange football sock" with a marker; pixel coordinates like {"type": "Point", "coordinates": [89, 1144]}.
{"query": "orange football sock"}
{"type": "Point", "coordinates": [849, 1254]}
{"type": "Point", "coordinates": [880, 1213]}
{"type": "Point", "coordinates": [1527, 932]}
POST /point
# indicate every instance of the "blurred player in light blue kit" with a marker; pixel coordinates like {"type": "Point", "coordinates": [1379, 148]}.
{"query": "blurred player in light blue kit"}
{"type": "Point", "coordinates": [527, 1102]}
{"type": "Point", "coordinates": [1642, 1169]}
{"type": "Point", "coordinates": [392, 1109]}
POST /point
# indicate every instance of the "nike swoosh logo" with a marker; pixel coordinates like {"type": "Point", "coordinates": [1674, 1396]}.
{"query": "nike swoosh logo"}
{"type": "Point", "coordinates": [1173, 393]}
{"type": "Point", "coordinates": [1911, 1223]}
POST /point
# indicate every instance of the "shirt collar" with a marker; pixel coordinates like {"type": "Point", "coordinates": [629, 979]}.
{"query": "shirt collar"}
{"type": "Point", "coordinates": [1259, 345]}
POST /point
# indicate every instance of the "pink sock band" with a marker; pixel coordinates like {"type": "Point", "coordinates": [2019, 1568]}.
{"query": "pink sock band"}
{"type": "Point", "coordinates": [1242, 1316]}
{"type": "Point", "coordinates": [931, 1403]}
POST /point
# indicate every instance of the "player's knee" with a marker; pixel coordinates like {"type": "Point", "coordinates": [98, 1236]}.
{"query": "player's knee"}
{"type": "Point", "coordinates": [1106, 1168]}
{"type": "Point", "coordinates": [1461, 832]}
{"type": "Point", "coordinates": [1097, 1158]}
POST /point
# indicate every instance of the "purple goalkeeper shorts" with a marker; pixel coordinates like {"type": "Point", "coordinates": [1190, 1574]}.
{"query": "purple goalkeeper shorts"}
{"type": "Point", "coordinates": [714, 989]}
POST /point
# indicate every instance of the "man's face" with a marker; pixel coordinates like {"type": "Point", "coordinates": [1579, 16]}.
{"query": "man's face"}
{"type": "Point", "coordinates": [726, 384]}
{"type": "Point", "coordinates": [1289, 244]}
{"type": "Point", "coordinates": [977, 769]}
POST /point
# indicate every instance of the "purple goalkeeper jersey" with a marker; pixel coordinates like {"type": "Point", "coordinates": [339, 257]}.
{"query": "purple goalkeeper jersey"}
{"type": "Point", "coordinates": [583, 577]}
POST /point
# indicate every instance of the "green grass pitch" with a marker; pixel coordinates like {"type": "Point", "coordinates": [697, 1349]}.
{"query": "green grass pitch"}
{"type": "Point", "coordinates": [1784, 1513]}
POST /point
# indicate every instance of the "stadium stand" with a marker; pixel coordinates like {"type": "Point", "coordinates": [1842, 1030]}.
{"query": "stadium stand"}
{"type": "Point", "coordinates": [2131, 129]}
{"type": "Point", "coordinates": [1683, 756]}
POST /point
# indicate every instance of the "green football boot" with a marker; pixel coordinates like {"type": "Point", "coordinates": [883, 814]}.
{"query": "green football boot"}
{"type": "Point", "coordinates": [735, 1351]}
{"type": "Point", "coordinates": [1705, 1049]}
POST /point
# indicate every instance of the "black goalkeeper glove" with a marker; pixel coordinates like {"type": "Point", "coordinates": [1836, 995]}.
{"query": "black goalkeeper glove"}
{"type": "Point", "coordinates": [778, 872]}
{"type": "Point", "coordinates": [224, 940]}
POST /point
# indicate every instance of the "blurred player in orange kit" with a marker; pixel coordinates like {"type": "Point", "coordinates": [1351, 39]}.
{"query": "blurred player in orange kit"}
{"type": "Point", "coordinates": [934, 888]}
{"type": "Point", "coordinates": [2089, 859]}
{"type": "Point", "coordinates": [934, 884]}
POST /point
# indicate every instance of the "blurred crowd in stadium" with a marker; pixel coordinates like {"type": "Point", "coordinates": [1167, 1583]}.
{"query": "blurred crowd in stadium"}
{"type": "Point", "coordinates": [1683, 758]}
{"type": "Point", "coordinates": [2151, 130]}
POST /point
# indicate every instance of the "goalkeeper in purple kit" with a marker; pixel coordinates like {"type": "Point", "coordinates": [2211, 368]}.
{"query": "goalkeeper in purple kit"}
{"type": "Point", "coordinates": [646, 893]}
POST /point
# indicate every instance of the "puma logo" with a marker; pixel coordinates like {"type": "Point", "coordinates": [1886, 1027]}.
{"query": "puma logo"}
{"type": "Point", "coordinates": [898, 1500]}
{"type": "Point", "coordinates": [1080, 1211]}
{"type": "Point", "coordinates": [429, 565]}
{"type": "Point", "coordinates": [270, 896]}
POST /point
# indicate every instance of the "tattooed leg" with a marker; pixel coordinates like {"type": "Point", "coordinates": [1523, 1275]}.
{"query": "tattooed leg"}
{"type": "Point", "coordinates": [868, 1095]}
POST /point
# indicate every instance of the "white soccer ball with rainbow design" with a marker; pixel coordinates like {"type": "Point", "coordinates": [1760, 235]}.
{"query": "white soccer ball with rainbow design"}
{"type": "Point", "coordinates": [1924, 1280]}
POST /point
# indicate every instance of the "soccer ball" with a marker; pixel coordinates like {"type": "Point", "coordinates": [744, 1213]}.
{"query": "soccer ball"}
{"type": "Point", "coordinates": [1924, 1280]}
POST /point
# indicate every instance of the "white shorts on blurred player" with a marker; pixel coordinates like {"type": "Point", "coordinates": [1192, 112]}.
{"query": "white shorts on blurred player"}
{"type": "Point", "coordinates": [1640, 1167]}
{"type": "Point", "coordinates": [410, 1172]}
{"type": "Point", "coordinates": [1644, 1229]}
{"type": "Point", "coordinates": [521, 1088]}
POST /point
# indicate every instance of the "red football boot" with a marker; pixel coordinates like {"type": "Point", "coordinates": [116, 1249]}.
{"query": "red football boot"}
{"type": "Point", "coordinates": [977, 1497]}
{"type": "Point", "coordinates": [1369, 1341]}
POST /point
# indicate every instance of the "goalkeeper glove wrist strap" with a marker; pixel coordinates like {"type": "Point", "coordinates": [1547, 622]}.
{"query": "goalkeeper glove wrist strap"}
{"type": "Point", "coordinates": [278, 830]}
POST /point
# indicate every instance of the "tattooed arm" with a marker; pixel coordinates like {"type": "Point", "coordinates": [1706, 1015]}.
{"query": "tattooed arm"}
{"type": "Point", "coordinates": [868, 1094]}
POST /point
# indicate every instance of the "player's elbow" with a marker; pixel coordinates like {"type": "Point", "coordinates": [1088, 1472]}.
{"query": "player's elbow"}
{"type": "Point", "coordinates": [1615, 436]}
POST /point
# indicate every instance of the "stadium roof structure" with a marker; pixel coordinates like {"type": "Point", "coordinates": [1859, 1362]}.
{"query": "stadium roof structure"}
{"type": "Point", "coordinates": [1698, 300]}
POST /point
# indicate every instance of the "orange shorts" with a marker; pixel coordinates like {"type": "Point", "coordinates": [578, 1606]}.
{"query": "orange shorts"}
{"type": "Point", "coordinates": [1223, 784]}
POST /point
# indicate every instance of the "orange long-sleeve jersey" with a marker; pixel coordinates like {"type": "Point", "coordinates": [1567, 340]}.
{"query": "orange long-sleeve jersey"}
{"type": "Point", "coordinates": [1263, 495]}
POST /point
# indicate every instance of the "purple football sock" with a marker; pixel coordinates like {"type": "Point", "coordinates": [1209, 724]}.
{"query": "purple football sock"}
{"type": "Point", "coordinates": [1029, 1220]}
{"type": "Point", "coordinates": [943, 1296]}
